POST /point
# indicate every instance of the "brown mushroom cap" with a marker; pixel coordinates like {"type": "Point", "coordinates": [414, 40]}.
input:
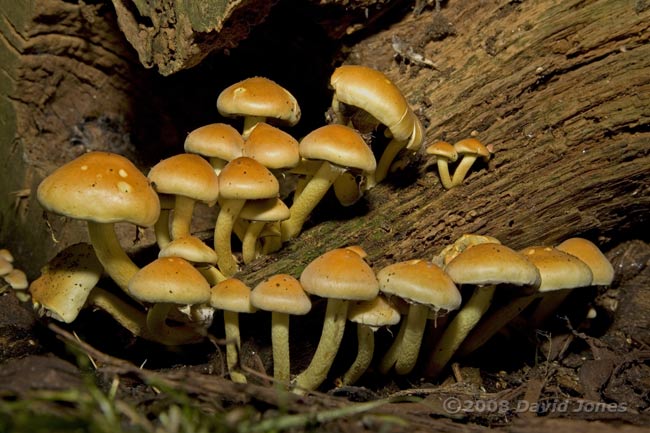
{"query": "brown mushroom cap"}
{"type": "Point", "coordinates": [270, 209]}
{"type": "Point", "coordinates": [260, 97]}
{"type": "Point", "coordinates": [188, 175]}
{"type": "Point", "coordinates": [281, 293]}
{"type": "Point", "coordinates": [101, 187]}
{"type": "Point", "coordinates": [422, 282]}
{"type": "Point", "coordinates": [558, 270]}
{"type": "Point", "coordinates": [232, 295]}
{"type": "Point", "coordinates": [375, 313]}
{"type": "Point", "coordinates": [588, 252]}
{"type": "Point", "coordinates": [170, 280]}
{"type": "Point", "coordinates": [272, 147]}
{"type": "Point", "coordinates": [340, 274]}
{"type": "Point", "coordinates": [339, 145]}
{"type": "Point", "coordinates": [472, 146]}
{"type": "Point", "coordinates": [492, 263]}
{"type": "Point", "coordinates": [374, 92]}
{"type": "Point", "coordinates": [216, 140]}
{"type": "Point", "coordinates": [443, 149]}
{"type": "Point", "coordinates": [246, 179]}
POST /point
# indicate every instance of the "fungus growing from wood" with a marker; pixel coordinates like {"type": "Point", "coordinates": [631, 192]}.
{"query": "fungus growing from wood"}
{"type": "Point", "coordinates": [470, 149]}
{"type": "Point", "coordinates": [444, 154]}
{"type": "Point", "coordinates": [219, 142]}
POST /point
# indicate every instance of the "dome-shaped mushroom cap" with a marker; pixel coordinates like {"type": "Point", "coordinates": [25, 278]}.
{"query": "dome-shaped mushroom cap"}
{"type": "Point", "coordinates": [101, 187]}
{"type": "Point", "coordinates": [65, 282]}
{"type": "Point", "coordinates": [232, 295]}
{"type": "Point", "coordinates": [246, 179]}
{"type": "Point", "coordinates": [281, 293]}
{"type": "Point", "coordinates": [443, 149]}
{"type": "Point", "coordinates": [558, 270]}
{"type": "Point", "coordinates": [588, 252]}
{"type": "Point", "coordinates": [270, 209]}
{"type": "Point", "coordinates": [374, 92]}
{"type": "Point", "coordinates": [339, 145]}
{"type": "Point", "coordinates": [216, 140]}
{"type": "Point", "coordinates": [340, 274]}
{"type": "Point", "coordinates": [492, 263]}
{"type": "Point", "coordinates": [421, 282]}
{"type": "Point", "coordinates": [375, 312]}
{"type": "Point", "coordinates": [472, 146]}
{"type": "Point", "coordinates": [191, 249]}
{"type": "Point", "coordinates": [170, 279]}
{"type": "Point", "coordinates": [188, 175]}
{"type": "Point", "coordinates": [260, 97]}
{"type": "Point", "coordinates": [272, 147]}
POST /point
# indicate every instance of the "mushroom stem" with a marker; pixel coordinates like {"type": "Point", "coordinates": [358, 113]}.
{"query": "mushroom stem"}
{"type": "Point", "coordinates": [280, 342]}
{"type": "Point", "coordinates": [161, 229]}
{"type": "Point", "coordinates": [390, 152]}
{"type": "Point", "coordinates": [182, 218]}
{"type": "Point", "coordinates": [233, 345]}
{"type": "Point", "coordinates": [135, 321]}
{"type": "Point", "coordinates": [549, 303]}
{"type": "Point", "coordinates": [117, 264]}
{"type": "Point", "coordinates": [365, 352]}
{"type": "Point", "coordinates": [416, 321]}
{"type": "Point", "coordinates": [443, 171]}
{"type": "Point", "coordinates": [249, 124]}
{"type": "Point", "coordinates": [462, 169]}
{"type": "Point", "coordinates": [211, 274]}
{"type": "Point", "coordinates": [272, 243]}
{"type": "Point", "coordinates": [459, 328]}
{"type": "Point", "coordinates": [391, 356]}
{"type": "Point", "coordinates": [230, 208]}
{"type": "Point", "coordinates": [331, 336]}
{"type": "Point", "coordinates": [249, 244]}
{"type": "Point", "coordinates": [125, 314]}
{"type": "Point", "coordinates": [157, 316]}
{"type": "Point", "coordinates": [310, 196]}
{"type": "Point", "coordinates": [493, 323]}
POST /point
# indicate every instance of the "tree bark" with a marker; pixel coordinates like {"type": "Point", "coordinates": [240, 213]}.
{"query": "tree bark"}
{"type": "Point", "coordinates": [559, 89]}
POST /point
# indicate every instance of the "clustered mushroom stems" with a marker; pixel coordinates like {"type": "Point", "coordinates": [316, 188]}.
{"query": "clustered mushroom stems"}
{"type": "Point", "coordinates": [404, 351]}
{"type": "Point", "coordinates": [230, 208]}
{"type": "Point", "coordinates": [182, 216]}
{"type": "Point", "coordinates": [365, 353]}
{"type": "Point", "coordinates": [233, 345]}
{"type": "Point", "coordinates": [250, 241]}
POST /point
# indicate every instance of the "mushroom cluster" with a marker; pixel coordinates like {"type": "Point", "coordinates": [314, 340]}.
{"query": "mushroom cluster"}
{"type": "Point", "coordinates": [13, 277]}
{"type": "Point", "coordinates": [469, 150]}
{"type": "Point", "coordinates": [172, 299]}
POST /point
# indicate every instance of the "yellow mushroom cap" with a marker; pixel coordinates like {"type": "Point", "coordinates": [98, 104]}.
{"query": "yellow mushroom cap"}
{"type": "Point", "coordinates": [188, 175]}
{"type": "Point", "coordinates": [65, 282]}
{"type": "Point", "coordinates": [232, 295]}
{"type": "Point", "coordinates": [558, 270]}
{"type": "Point", "coordinates": [339, 145]}
{"type": "Point", "coordinates": [216, 140]}
{"type": "Point", "coordinates": [444, 150]}
{"type": "Point", "coordinates": [375, 312]}
{"type": "Point", "coordinates": [281, 293]}
{"type": "Point", "coordinates": [246, 179]}
{"type": "Point", "coordinates": [374, 92]}
{"type": "Point", "coordinates": [270, 209]}
{"type": "Point", "coordinates": [272, 147]}
{"type": "Point", "coordinates": [17, 279]}
{"type": "Point", "coordinates": [260, 97]}
{"type": "Point", "coordinates": [101, 187]}
{"type": "Point", "coordinates": [588, 252]}
{"type": "Point", "coordinates": [191, 249]}
{"type": "Point", "coordinates": [170, 280]}
{"type": "Point", "coordinates": [472, 146]}
{"type": "Point", "coordinates": [492, 263]}
{"type": "Point", "coordinates": [340, 274]}
{"type": "Point", "coordinates": [422, 282]}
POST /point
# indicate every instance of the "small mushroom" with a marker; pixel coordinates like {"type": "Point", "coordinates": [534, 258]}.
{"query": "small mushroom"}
{"type": "Point", "coordinates": [233, 297]}
{"type": "Point", "coordinates": [189, 178]}
{"type": "Point", "coordinates": [337, 147]}
{"type": "Point", "coordinates": [240, 180]}
{"type": "Point", "coordinates": [168, 282]}
{"type": "Point", "coordinates": [444, 154]}
{"type": "Point", "coordinates": [219, 142]}
{"type": "Point", "coordinates": [372, 91]}
{"type": "Point", "coordinates": [282, 295]}
{"type": "Point", "coordinates": [258, 99]}
{"type": "Point", "coordinates": [485, 266]}
{"type": "Point", "coordinates": [17, 279]}
{"type": "Point", "coordinates": [470, 149]}
{"type": "Point", "coordinates": [103, 189]}
{"type": "Point", "coordinates": [260, 213]}
{"type": "Point", "coordinates": [425, 287]}
{"type": "Point", "coordinates": [340, 276]}
{"type": "Point", "coordinates": [369, 317]}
